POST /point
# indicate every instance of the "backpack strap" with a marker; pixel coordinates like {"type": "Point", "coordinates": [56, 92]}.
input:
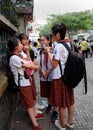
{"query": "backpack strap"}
{"type": "Point", "coordinates": [66, 46]}
{"type": "Point", "coordinates": [85, 81]}
{"type": "Point", "coordinates": [60, 68]}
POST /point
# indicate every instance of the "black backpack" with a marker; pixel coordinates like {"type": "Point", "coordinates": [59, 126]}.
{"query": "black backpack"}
{"type": "Point", "coordinates": [12, 86]}
{"type": "Point", "coordinates": [75, 69]}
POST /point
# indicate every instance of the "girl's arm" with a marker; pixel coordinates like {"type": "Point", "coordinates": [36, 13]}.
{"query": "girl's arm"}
{"type": "Point", "coordinates": [30, 65]}
{"type": "Point", "coordinates": [54, 62]}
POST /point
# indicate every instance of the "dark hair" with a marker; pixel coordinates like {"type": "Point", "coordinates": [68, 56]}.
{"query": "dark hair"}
{"type": "Point", "coordinates": [38, 39]}
{"type": "Point", "coordinates": [29, 41]}
{"type": "Point", "coordinates": [12, 43]}
{"type": "Point", "coordinates": [59, 28]}
{"type": "Point", "coordinates": [35, 44]}
{"type": "Point", "coordinates": [22, 35]}
{"type": "Point", "coordinates": [46, 36]}
{"type": "Point", "coordinates": [75, 40]}
{"type": "Point", "coordinates": [50, 43]}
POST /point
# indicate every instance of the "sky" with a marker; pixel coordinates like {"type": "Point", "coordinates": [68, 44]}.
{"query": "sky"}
{"type": "Point", "coordinates": [43, 8]}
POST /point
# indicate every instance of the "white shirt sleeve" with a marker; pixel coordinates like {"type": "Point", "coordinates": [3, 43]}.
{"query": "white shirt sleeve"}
{"type": "Point", "coordinates": [16, 61]}
{"type": "Point", "coordinates": [60, 53]}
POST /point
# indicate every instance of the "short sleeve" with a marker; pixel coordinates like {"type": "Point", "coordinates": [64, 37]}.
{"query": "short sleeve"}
{"type": "Point", "coordinates": [16, 61]}
{"type": "Point", "coordinates": [56, 53]}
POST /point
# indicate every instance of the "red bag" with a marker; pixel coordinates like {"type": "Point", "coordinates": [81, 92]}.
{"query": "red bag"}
{"type": "Point", "coordinates": [28, 72]}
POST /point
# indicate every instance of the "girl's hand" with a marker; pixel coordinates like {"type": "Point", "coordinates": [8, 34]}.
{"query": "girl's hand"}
{"type": "Point", "coordinates": [47, 72]}
{"type": "Point", "coordinates": [35, 62]}
{"type": "Point", "coordinates": [43, 74]}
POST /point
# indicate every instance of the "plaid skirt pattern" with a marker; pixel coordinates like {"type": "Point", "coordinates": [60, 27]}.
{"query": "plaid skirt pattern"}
{"type": "Point", "coordinates": [27, 96]}
{"type": "Point", "coordinates": [45, 88]}
{"type": "Point", "coordinates": [60, 94]}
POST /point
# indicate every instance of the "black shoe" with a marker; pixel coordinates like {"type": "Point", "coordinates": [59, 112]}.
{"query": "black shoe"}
{"type": "Point", "coordinates": [54, 116]}
{"type": "Point", "coordinates": [48, 109]}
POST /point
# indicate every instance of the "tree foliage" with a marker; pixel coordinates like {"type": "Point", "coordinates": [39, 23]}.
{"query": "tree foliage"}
{"type": "Point", "coordinates": [74, 21]}
{"type": "Point", "coordinates": [8, 10]}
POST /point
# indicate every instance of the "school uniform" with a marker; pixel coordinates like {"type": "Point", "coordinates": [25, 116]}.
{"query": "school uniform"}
{"type": "Point", "coordinates": [60, 94]}
{"type": "Point", "coordinates": [27, 93]}
{"type": "Point", "coordinates": [45, 83]}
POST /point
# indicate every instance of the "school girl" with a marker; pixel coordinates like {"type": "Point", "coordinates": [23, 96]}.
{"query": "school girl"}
{"type": "Point", "coordinates": [61, 95]}
{"type": "Point", "coordinates": [26, 93]}
{"type": "Point", "coordinates": [46, 73]}
{"type": "Point", "coordinates": [26, 55]}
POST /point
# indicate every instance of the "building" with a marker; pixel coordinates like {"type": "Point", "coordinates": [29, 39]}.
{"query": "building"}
{"type": "Point", "coordinates": [14, 15]}
{"type": "Point", "coordinates": [24, 9]}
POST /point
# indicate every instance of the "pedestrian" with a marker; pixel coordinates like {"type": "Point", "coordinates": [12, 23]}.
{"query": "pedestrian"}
{"type": "Point", "coordinates": [61, 96]}
{"type": "Point", "coordinates": [30, 50]}
{"type": "Point", "coordinates": [27, 94]}
{"type": "Point", "coordinates": [84, 48]}
{"type": "Point", "coordinates": [35, 49]}
{"type": "Point", "coordinates": [38, 44]}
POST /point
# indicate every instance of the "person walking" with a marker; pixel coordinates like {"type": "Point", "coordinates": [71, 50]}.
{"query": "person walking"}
{"type": "Point", "coordinates": [61, 96]}
{"type": "Point", "coordinates": [84, 45]}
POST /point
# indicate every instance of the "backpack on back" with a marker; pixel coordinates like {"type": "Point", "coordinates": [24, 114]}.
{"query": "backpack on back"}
{"type": "Point", "coordinates": [12, 86]}
{"type": "Point", "coordinates": [74, 70]}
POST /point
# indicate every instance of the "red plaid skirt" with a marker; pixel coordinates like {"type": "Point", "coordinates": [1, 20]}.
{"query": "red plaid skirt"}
{"type": "Point", "coordinates": [60, 94]}
{"type": "Point", "coordinates": [27, 96]}
{"type": "Point", "coordinates": [45, 88]}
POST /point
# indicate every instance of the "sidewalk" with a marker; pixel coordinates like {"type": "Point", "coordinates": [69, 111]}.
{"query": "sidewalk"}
{"type": "Point", "coordinates": [83, 118]}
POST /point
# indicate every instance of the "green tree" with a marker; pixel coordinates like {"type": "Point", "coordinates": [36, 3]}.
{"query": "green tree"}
{"type": "Point", "coordinates": [74, 21]}
{"type": "Point", "coordinates": [8, 10]}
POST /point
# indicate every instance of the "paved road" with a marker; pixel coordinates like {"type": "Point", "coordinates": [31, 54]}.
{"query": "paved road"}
{"type": "Point", "coordinates": [83, 118]}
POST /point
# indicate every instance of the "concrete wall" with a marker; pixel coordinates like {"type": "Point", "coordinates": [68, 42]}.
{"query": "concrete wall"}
{"type": "Point", "coordinates": [7, 109]}
{"type": "Point", "coordinates": [7, 104]}
{"type": "Point", "coordinates": [7, 23]}
{"type": "Point", "coordinates": [21, 27]}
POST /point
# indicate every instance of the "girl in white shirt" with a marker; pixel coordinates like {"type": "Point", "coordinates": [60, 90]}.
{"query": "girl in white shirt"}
{"type": "Point", "coordinates": [26, 55]}
{"type": "Point", "coordinates": [46, 73]}
{"type": "Point", "coordinates": [45, 69]}
{"type": "Point", "coordinates": [61, 96]}
{"type": "Point", "coordinates": [26, 92]}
